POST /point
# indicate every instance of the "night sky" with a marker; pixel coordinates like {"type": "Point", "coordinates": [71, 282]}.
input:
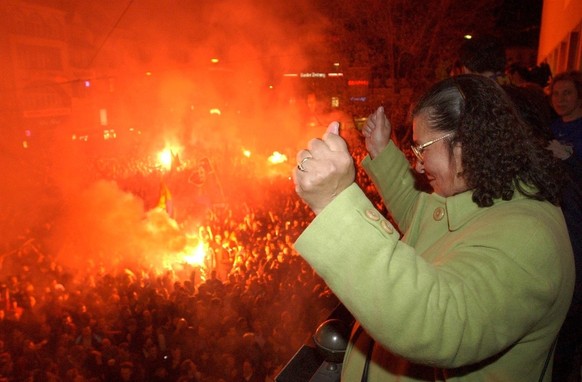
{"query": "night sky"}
{"type": "Point", "coordinates": [519, 20]}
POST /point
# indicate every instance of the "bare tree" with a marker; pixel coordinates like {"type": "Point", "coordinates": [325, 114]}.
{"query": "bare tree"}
{"type": "Point", "coordinates": [409, 39]}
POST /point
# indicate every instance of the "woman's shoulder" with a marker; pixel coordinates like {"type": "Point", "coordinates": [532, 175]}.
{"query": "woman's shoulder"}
{"type": "Point", "coordinates": [519, 215]}
{"type": "Point", "coordinates": [518, 226]}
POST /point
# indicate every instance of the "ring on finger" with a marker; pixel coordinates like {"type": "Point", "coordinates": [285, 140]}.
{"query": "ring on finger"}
{"type": "Point", "coordinates": [300, 164]}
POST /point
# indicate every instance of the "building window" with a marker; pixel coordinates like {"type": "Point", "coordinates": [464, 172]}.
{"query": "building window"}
{"type": "Point", "coordinates": [574, 53]}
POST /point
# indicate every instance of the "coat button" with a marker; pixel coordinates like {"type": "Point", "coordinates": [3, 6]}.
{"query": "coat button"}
{"type": "Point", "coordinates": [386, 226]}
{"type": "Point", "coordinates": [372, 215]}
{"type": "Point", "coordinates": [438, 213]}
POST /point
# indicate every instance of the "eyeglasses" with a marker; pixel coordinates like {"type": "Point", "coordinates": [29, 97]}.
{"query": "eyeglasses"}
{"type": "Point", "coordinates": [418, 150]}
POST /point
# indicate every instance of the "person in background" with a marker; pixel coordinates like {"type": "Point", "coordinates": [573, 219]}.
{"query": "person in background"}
{"type": "Point", "coordinates": [524, 77]}
{"type": "Point", "coordinates": [566, 145]}
{"type": "Point", "coordinates": [518, 75]}
{"type": "Point", "coordinates": [566, 97]}
{"type": "Point", "coordinates": [479, 284]}
{"type": "Point", "coordinates": [484, 55]}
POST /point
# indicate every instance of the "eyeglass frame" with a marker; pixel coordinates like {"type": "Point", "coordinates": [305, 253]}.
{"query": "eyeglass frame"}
{"type": "Point", "coordinates": [419, 149]}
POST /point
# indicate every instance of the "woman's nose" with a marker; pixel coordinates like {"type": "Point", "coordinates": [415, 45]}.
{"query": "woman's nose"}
{"type": "Point", "coordinates": [419, 166]}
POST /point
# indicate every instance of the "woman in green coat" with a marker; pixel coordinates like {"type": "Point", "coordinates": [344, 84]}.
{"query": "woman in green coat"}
{"type": "Point", "coordinates": [477, 287]}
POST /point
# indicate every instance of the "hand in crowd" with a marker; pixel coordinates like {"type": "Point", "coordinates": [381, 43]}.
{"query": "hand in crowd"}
{"type": "Point", "coordinates": [324, 169]}
{"type": "Point", "coordinates": [377, 132]}
{"type": "Point", "coordinates": [560, 150]}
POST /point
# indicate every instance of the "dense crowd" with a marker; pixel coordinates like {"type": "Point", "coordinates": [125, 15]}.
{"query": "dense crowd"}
{"type": "Point", "coordinates": [257, 303]}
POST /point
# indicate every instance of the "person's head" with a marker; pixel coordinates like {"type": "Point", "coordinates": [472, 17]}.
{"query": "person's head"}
{"type": "Point", "coordinates": [247, 368]}
{"type": "Point", "coordinates": [566, 93]}
{"type": "Point", "coordinates": [479, 143]}
{"type": "Point", "coordinates": [518, 74]}
{"type": "Point", "coordinates": [482, 55]}
{"type": "Point", "coordinates": [188, 368]}
{"type": "Point", "coordinates": [86, 331]}
{"type": "Point", "coordinates": [126, 371]}
{"type": "Point", "coordinates": [534, 109]}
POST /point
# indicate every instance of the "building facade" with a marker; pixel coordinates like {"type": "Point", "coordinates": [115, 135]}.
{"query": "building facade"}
{"type": "Point", "coordinates": [560, 35]}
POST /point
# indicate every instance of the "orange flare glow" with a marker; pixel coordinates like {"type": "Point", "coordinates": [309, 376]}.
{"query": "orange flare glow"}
{"type": "Point", "coordinates": [197, 256]}
{"type": "Point", "coordinates": [165, 158]}
{"type": "Point", "coordinates": [277, 157]}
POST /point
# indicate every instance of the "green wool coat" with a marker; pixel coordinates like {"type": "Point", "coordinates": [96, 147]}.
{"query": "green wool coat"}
{"type": "Point", "coordinates": [467, 294]}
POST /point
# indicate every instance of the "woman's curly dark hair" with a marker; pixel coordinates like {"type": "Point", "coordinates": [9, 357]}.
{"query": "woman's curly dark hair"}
{"type": "Point", "coordinates": [499, 153]}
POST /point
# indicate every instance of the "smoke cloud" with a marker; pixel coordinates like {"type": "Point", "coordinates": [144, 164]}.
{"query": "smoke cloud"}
{"type": "Point", "coordinates": [146, 66]}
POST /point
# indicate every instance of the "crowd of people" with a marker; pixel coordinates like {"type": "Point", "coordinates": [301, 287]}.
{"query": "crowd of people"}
{"type": "Point", "coordinates": [257, 301]}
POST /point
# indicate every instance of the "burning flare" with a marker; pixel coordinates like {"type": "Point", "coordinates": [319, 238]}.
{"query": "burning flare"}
{"type": "Point", "coordinates": [197, 256]}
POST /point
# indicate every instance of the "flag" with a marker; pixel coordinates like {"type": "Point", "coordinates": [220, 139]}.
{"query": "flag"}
{"type": "Point", "coordinates": [165, 201]}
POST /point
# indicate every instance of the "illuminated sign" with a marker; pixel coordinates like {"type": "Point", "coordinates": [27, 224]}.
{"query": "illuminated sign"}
{"type": "Point", "coordinates": [312, 75]}
{"type": "Point", "coordinates": [358, 82]}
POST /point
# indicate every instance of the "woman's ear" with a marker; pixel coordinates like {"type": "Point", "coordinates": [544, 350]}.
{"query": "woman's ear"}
{"type": "Point", "coordinates": [457, 155]}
